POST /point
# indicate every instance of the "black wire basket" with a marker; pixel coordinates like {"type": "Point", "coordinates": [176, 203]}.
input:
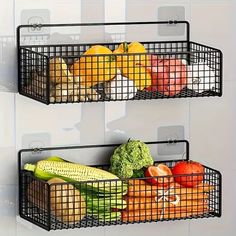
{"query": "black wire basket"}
{"type": "Point", "coordinates": [64, 205]}
{"type": "Point", "coordinates": [118, 70]}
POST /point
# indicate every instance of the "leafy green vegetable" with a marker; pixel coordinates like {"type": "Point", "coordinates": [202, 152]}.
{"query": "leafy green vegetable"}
{"type": "Point", "coordinates": [129, 157]}
{"type": "Point", "coordinates": [138, 173]}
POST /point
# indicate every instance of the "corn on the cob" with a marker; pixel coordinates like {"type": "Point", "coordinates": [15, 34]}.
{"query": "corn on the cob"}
{"type": "Point", "coordinates": [102, 180]}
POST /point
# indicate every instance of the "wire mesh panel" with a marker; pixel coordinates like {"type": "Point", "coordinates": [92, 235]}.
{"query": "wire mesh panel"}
{"type": "Point", "coordinates": [59, 204]}
{"type": "Point", "coordinates": [119, 71]}
{"type": "Point", "coordinates": [34, 71]}
{"type": "Point", "coordinates": [36, 207]}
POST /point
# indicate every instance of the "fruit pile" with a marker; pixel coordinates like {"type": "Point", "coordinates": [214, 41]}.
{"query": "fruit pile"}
{"type": "Point", "coordinates": [134, 188]}
{"type": "Point", "coordinates": [122, 73]}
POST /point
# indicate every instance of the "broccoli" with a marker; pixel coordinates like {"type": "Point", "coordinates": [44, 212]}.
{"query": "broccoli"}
{"type": "Point", "coordinates": [138, 173]}
{"type": "Point", "coordinates": [129, 157]}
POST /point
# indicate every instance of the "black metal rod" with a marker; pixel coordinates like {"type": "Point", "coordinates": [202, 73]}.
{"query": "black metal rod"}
{"type": "Point", "coordinates": [49, 206]}
{"type": "Point", "coordinates": [220, 194]}
{"type": "Point", "coordinates": [104, 24]}
{"type": "Point", "coordinates": [188, 42]}
{"type": "Point", "coordinates": [20, 185]}
{"type": "Point", "coordinates": [221, 73]}
{"type": "Point", "coordinates": [96, 146]}
{"type": "Point", "coordinates": [18, 58]}
{"type": "Point", "coordinates": [48, 87]}
{"type": "Point", "coordinates": [99, 24]}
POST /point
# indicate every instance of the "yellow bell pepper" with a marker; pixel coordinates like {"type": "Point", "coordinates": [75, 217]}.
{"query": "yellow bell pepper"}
{"type": "Point", "coordinates": [123, 47]}
{"type": "Point", "coordinates": [96, 65]}
{"type": "Point", "coordinates": [133, 66]}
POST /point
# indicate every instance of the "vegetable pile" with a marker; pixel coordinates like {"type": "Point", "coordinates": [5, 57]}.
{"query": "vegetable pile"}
{"type": "Point", "coordinates": [101, 190]}
{"type": "Point", "coordinates": [134, 188]}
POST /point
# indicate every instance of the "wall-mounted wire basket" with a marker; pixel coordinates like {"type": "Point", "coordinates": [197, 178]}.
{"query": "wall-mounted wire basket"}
{"type": "Point", "coordinates": [68, 73]}
{"type": "Point", "coordinates": [64, 205]}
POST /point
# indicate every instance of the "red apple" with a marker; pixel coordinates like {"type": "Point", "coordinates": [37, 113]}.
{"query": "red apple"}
{"type": "Point", "coordinates": [159, 171]}
{"type": "Point", "coordinates": [194, 172]}
{"type": "Point", "coordinates": [169, 76]}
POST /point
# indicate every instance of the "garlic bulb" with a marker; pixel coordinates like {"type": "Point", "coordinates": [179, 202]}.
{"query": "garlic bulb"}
{"type": "Point", "coordinates": [201, 77]}
{"type": "Point", "coordinates": [120, 88]}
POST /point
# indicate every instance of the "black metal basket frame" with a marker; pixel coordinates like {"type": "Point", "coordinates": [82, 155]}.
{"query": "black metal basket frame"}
{"type": "Point", "coordinates": [192, 50]}
{"type": "Point", "coordinates": [45, 220]}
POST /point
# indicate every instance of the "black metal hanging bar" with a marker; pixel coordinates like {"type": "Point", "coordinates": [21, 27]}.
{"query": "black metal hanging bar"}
{"type": "Point", "coordinates": [104, 24]}
{"type": "Point", "coordinates": [35, 150]}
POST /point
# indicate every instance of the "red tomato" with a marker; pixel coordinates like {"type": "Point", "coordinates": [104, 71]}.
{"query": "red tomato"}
{"type": "Point", "coordinates": [190, 168]}
{"type": "Point", "coordinates": [169, 76]}
{"type": "Point", "coordinates": [159, 170]}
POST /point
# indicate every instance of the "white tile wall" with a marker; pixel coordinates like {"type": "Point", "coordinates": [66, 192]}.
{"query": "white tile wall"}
{"type": "Point", "coordinates": [7, 209]}
{"type": "Point", "coordinates": [7, 49]}
{"type": "Point", "coordinates": [218, 30]}
{"type": "Point", "coordinates": [209, 122]}
{"type": "Point", "coordinates": [8, 165]}
{"type": "Point", "coordinates": [27, 230]}
{"type": "Point", "coordinates": [41, 119]}
{"type": "Point", "coordinates": [164, 228]}
{"type": "Point", "coordinates": [59, 9]}
{"type": "Point", "coordinates": [145, 117]}
{"type": "Point", "coordinates": [212, 125]}
{"type": "Point", "coordinates": [7, 119]}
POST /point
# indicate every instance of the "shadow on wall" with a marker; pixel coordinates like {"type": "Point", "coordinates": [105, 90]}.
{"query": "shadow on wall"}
{"type": "Point", "coordinates": [136, 122]}
{"type": "Point", "coordinates": [8, 64]}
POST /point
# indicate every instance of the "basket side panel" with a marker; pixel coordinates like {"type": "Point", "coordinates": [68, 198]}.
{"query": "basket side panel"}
{"type": "Point", "coordinates": [33, 201]}
{"type": "Point", "coordinates": [205, 70]}
{"type": "Point", "coordinates": [213, 178]}
{"type": "Point", "coordinates": [33, 76]}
